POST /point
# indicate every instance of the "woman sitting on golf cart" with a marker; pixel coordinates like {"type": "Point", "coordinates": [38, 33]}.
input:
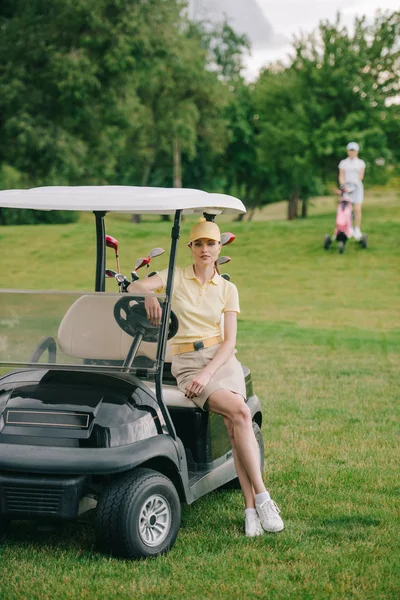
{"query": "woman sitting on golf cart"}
{"type": "Point", "coordinates": [205, 365]}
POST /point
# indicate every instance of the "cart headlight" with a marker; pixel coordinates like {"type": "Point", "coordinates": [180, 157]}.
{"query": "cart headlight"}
{"type": "Point", "coordinates": [47, 418]}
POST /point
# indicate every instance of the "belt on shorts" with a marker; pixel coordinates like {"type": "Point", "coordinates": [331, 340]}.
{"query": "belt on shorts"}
{"type": "Point", "coordinates": [193, 346]}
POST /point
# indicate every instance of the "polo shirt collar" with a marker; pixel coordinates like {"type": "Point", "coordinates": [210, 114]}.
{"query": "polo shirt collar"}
{"type": "Point", "coordinates": [189, 274]}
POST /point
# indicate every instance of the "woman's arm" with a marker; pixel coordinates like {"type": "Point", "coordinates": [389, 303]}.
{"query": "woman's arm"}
{"type": "Point", "coordinates": [146, 286]}
{"type": "Point", "coordinates": [197, 385]}
{"type": "Point", "coordinates": [362, 172]}
{"type": "Point", "coordinates": [341, 177]}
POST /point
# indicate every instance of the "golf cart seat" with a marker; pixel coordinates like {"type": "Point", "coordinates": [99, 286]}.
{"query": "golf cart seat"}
{"type": "Point", "coordinates": [89, 331]}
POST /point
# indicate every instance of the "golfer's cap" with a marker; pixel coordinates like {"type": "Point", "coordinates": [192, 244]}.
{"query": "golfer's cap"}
{"type": "Point", "coordinates": [353, 146]}
{"type": "Point", "coordinates": [205, 229]}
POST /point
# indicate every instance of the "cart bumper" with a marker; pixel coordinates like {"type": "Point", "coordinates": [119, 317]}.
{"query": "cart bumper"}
{"type": "Point", "coordinates": [85, 461]}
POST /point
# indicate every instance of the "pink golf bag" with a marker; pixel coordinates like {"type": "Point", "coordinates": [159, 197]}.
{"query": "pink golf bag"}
{"type": "Point", "coordinates": [343, 227]}
{"type": "Point", "coordinates": [344, 222]}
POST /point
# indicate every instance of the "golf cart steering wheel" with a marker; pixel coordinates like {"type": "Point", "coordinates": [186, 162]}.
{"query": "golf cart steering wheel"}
{"type": "Point", "coordinates": [130, 314]}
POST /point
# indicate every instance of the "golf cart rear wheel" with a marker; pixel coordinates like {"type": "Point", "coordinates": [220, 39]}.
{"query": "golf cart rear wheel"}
{"type": "Point", "coordinates": [327, 241]}
{"type": "Point", "coordinates": [235, 484]}
{"type": "Point", "coordinates": [138, 515]}
{"type": "Point", "coordinates": [341, 247]}
{"type": "Point", "coordinates": [364, 241]}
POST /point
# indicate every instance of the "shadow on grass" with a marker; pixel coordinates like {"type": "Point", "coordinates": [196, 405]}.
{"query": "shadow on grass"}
{"type": "Point", "coordinates": [217, 515]}
{"type": "Point", "coordinates": [344, 528]}
{"type": "Point", "coordinates": [75, 537]}
{"type": "Point", "coordinates": [351, 521]}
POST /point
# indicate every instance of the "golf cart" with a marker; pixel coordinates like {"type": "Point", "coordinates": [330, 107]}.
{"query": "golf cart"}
{"type": "Point", "coordinates": [90, 414]}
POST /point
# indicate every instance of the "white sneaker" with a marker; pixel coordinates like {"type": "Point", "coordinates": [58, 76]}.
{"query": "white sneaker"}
{"type": "Point", "coordinates": [252, 525]}
{"type": "Point", "coordinates": [357, 234]}
{"type": "Point", "coordinates": [269, 516]}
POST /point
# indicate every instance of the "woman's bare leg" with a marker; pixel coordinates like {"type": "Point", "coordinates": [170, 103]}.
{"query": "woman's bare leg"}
{"type": "Point", "coordinates": [233, 407]}
{"type": "Point", "coordinates": [245, 483]}
{"type": "Point", "coordinates": [357, 215]}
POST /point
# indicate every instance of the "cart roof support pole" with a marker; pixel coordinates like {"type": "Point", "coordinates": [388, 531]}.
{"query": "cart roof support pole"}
{"type": "Point", "coordinates": [175, 233]}
{"type": "Point", "coordinates": [100, 283]}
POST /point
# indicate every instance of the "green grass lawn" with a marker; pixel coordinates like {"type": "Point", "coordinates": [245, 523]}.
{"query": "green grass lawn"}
{"type": "Point", "coordinates": [321, 333]}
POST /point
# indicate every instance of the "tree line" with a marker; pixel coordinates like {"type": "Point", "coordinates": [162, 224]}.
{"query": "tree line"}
{"type": "Point", "coordinates": [132, 92]}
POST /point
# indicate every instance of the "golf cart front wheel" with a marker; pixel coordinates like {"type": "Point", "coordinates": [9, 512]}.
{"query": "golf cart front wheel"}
{"type": "Point", "coordinates": [138, 515]}
{"type": "Point", "coordinates": [327, 241]}
{"type": "Point", "coordinates": [341, 247]}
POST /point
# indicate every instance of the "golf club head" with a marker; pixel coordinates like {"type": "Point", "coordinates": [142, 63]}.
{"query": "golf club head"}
{"type": "Point", "coordinates": [153, 273]}
{"type": "Point", "coordinates": [110, 273]}
{"type": "Point", "coordinates": [226, 276]}
{"type": "Point", "coordinates": [134, 276]}
{"type": "Point", "coordinates": [222, 260]}
{"type": "Point", "coordinates": [112, 242]}
{"type": "Point", "coordinates": [156, 252]}
{"type": "Point", "coordinates": [125, 284]}
{"type": "Point", "coordinates": [141, 262]}
{"type": "Point", "coordinates": [227, 238]}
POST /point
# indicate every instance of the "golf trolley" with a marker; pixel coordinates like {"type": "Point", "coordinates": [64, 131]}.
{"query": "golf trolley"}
{"type": "Point", "coordinates": [91, 418]}
{"type": "Point", "coordinates": [344, 221]}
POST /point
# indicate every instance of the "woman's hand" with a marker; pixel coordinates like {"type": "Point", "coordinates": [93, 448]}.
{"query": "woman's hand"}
{"type": "Point", "coordinates": [197, 385]}
{"type": "Point", "coordinates": [153, 310]}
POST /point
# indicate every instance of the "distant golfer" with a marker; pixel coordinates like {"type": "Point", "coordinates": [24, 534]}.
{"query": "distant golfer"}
{"type": "Point", "coordinates": [351, 173]}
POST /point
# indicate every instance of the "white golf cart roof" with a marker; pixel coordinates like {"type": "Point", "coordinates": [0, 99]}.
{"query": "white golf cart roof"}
{"type": "Point", "coordinates": [121, 198]}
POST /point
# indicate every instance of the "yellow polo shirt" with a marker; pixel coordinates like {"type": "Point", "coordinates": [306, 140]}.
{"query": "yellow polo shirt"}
{"type": "Point", "coordinates": [199, 307]}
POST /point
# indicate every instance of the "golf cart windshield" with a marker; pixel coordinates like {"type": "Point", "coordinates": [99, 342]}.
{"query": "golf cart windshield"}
{"type": "Point", "coordinates": [70, 329]}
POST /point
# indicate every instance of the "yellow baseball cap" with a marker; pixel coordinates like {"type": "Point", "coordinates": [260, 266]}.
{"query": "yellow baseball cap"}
{"type": "Point", "coordinates": [205, 229]}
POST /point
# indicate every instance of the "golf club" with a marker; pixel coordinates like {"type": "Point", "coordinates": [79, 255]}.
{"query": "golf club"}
{"type": "Point", "coordinates": [226, 276]}
{"type": "Point", "coordinates": [227, 238]}
{"type": "Point", "coordinates": [222, 260]}
{"type": "Point", "coordinates": [152, 254]}
{"type": "Point", "coordinates": [112, 242]}
{"type": "Point", "coordinates": [141, 262]}
{"type": "Point", "coordinates": [122, 281]}
{"type": "Point", "coordinates": [134, 276]}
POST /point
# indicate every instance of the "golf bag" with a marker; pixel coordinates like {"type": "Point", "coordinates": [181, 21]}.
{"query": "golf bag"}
{"type": "Point", "coordinates": [344, 220]}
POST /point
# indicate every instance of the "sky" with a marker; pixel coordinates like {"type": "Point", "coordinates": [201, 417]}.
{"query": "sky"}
{"type": "Point", "coordinates": [291, 17]}
{"type": "Point", "coordinates": [271, 24]}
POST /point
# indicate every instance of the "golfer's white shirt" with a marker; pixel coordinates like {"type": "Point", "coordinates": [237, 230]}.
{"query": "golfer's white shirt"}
{"type": "Point", "coordinates": [352, 168]}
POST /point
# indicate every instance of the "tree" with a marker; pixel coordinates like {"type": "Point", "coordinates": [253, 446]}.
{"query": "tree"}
{"type": "Point", "coordinates": [69, 106]}
{"type": "Point", "coordinates": [337, 88]}
{"type": "Point", "coordinates": [349, 79]}
{"type": "Point", "coordinates": [284, 143]}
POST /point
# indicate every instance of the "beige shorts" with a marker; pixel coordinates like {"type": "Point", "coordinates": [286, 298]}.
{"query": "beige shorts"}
{"type": "Point", "coordinates": [228, 377]}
